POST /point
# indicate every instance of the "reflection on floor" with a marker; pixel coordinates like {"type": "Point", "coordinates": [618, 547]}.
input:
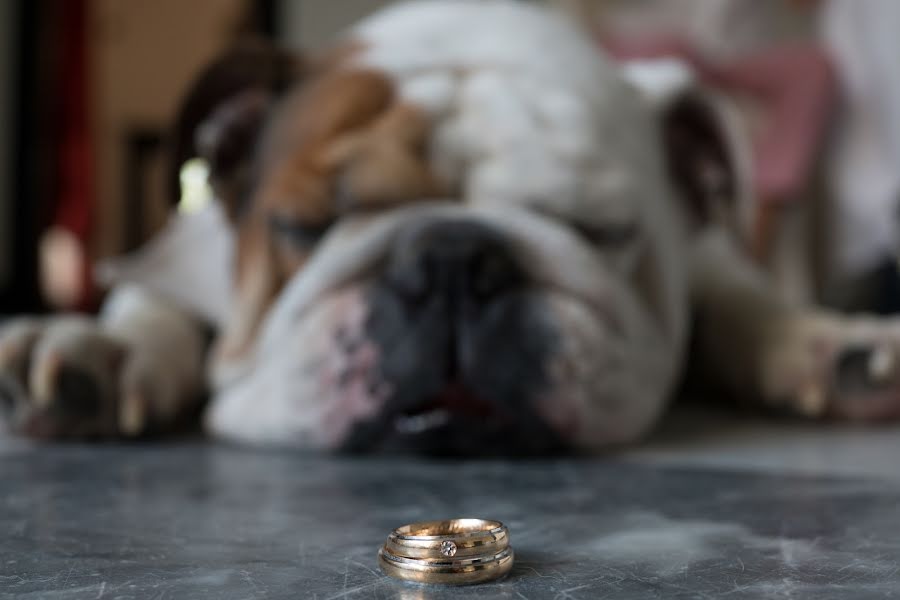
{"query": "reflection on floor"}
{"type": "Point", "coordinates": [710, 507]}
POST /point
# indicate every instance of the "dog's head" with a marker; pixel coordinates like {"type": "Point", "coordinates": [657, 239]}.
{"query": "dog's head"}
{"type": "Point", "coordinates": [454, 251]}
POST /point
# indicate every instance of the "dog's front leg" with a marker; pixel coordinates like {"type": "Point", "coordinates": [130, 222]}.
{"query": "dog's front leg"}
{"type": "Point", "coordinates": [799, 359]}
{"type": "Point", "coordinates": [137, 369]}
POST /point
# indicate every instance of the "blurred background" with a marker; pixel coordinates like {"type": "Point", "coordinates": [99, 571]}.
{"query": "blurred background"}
{"type": "Point", "coordinates": [89, 87]}
{"type": "Point", "coordinates": [87, 92]}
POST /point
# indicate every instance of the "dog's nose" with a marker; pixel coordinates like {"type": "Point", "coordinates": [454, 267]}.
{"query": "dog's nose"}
{"type": "Point", "coordinates": [459, 260]}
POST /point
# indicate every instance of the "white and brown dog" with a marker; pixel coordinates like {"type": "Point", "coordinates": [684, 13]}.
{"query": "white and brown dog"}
{"type": "Point", "coordinates": [463, 230]}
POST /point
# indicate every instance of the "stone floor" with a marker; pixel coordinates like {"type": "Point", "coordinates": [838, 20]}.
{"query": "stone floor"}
{"type": "Point", "coordinates": [710, 507]}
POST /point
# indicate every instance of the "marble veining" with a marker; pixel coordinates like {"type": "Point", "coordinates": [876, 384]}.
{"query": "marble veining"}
{"type": "Point", "coordinates": [197, 520]}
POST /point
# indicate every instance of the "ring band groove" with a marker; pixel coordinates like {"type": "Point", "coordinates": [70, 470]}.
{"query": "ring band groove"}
{"type": "Point", "coordinates": [448, 572]}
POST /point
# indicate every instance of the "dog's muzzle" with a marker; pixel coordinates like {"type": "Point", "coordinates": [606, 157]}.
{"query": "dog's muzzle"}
{"type": "Point", "coordinates": [462, 345]}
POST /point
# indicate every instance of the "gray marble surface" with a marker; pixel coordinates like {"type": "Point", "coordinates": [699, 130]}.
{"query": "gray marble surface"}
{"type": "Point", "coordinates": [197, 520]}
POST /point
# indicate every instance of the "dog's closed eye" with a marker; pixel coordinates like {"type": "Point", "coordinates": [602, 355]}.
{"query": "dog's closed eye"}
{"type": "Point", "coordinates": [299, 234]}
{"type": "Point", "coordinates": [601, 235]}
{"type": "Point", "coordinates": [609, 235]}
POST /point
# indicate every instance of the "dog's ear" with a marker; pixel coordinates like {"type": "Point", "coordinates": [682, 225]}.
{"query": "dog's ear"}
{"type": "Point", "coordinates": [223, 110]}
{"type": "Point", "coordinates": [706, 151]}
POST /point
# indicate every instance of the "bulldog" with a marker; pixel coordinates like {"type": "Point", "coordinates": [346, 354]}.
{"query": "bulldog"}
{"type": "Point", "coordinates": [462, 230]}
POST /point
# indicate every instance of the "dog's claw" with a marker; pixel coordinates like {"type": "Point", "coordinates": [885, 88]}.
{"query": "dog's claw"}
{"type": "Point", "coordinates": [882, 366]}
{"type": "Point", "coordinates": [132, 415]}
{"type": "Point", "coordinates": [812, 401]}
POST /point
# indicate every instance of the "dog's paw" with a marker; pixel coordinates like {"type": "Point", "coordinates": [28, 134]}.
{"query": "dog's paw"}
{"type": "Point", "coordinates": [64, 377]}
{"type": "Point", "coordinates": [832, 367]}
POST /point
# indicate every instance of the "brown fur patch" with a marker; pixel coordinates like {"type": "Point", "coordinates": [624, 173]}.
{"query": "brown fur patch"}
{"type": "Point", "coordinates": [342, 143]}
{"type": "Point", "coordinates": [293, 181]}
{"type": "Point", "coordinates": [384, 164]}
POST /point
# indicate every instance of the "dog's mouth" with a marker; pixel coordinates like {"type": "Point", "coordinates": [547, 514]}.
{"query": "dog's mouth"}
{"type": "Point", "coordinates": [459, 422]}
{"type": "Point", "coordinates": [456, 401]}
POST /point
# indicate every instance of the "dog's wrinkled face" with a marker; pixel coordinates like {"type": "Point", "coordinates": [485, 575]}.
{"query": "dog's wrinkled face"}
{"type": "Point", "coordinates": [448, 328]}
{"type": "Point", "coordinates": [423, 268]}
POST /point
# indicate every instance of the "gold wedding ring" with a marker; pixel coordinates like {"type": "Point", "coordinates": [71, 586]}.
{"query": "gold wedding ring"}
{"type": "Point", "coordinates": [455, 552]}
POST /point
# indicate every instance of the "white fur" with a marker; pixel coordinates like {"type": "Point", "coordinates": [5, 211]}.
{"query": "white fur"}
{"type": "Point", "coordinates": [188, 263]}
{"type": "Point", "coordinates": [522, 102]}
{"type": "Point", "coordinates": [661, 80]}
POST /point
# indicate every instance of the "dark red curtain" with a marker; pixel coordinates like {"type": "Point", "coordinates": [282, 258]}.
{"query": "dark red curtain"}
{"type": "Point", "coordinates": [74, 161]}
